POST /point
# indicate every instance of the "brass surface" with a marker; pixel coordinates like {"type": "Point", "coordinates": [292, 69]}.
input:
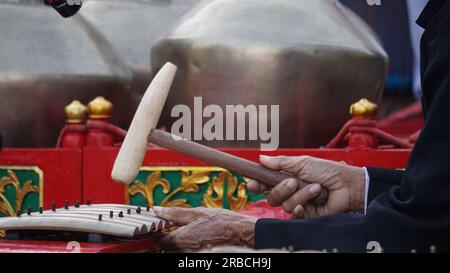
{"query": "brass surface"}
{"type": "Point", "coordinates": [313, 58]}
{"type": "Point", "coordinates": [47, 62]}
{"type": "Point", "coordinates": [133, 26]}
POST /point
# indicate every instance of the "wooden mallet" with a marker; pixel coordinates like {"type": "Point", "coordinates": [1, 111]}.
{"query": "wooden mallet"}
{"type": "Point", "coordinates": [142, 130]}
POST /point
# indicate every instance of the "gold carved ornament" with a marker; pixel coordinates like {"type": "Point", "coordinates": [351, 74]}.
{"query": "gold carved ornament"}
{"type": "Point", "coordinates": [147, 189]}
{"type": "Point", "coordinates": [217, 187]}
{"type": "Point", "coordinates": [190, 181]}
{"type": "Point", "coordinates": [100, 108]}
{"type": "Point", "coordinates": [6, 207]}
{"type": "Point", "coordinates": [363, 109]}
{"type": "Point", "coordinates": [76, 112]}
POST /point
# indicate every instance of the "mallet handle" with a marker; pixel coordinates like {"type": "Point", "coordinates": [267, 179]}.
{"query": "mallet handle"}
{"type": "Point", "coordinates": [227, 161]}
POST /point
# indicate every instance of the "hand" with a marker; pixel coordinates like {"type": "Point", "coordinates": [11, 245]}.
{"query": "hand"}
{"type": "Point", "coordinates": [345, 185]}
{"type": "Point", "coordinates": [203, 227]}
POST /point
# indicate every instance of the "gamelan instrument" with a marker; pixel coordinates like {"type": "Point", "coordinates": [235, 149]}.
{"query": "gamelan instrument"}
{"type": "Point", "coordinates": [142, 131]}
{"type": "Point", "coordinates": [41, 72]}
{"type": "Point", "coordinates": [95, 220]}
{"type": "Point", "coordinates": [312, 58]}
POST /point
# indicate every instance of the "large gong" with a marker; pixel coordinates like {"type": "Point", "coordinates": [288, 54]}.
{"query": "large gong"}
{"type": "Point", "coordinates": [313, 58]}
{"type": "Point", "coordinates": [47, 61]}
{"type": "Point", "coordinates": [132, 27]}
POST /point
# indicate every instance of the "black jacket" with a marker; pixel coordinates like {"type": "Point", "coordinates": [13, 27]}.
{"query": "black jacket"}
{"type": "Point", "coordinates": [407, 210]}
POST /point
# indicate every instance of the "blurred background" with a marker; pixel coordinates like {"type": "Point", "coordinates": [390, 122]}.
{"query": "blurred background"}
{"type": "Point", "coordinates": [395, 24]}
{"type": "Point", "coordinates": [313, 57]}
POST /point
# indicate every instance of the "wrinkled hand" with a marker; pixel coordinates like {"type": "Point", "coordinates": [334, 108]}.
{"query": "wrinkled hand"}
{"type": "Point", "coordinates": [345, 185]}
{"type": "Point", "coordinates": [203, 227]}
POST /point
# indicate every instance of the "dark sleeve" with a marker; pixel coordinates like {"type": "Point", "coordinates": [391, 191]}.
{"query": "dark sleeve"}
{"type": "Point", "coordinates": [413, 215]}
{"type": "Point", "coordinates": [342, 232]}
{"type": "Point", "coordinates": [381, 180]}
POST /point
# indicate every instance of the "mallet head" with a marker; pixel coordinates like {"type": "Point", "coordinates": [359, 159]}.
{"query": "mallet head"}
{"type": "Point", "coordinates": [133, 149]}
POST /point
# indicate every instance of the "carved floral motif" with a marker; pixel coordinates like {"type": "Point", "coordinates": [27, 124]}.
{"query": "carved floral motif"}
{"type": "Point", "coordinates": [21, 191]}
{"type": "Point", "coordinates": [221, 190]}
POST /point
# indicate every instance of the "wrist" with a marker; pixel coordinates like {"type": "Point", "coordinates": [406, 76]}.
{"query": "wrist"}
{"type": "Point", "coordinates": [244, 229]}
{"type": "Point", "coordinates": [357, 189]}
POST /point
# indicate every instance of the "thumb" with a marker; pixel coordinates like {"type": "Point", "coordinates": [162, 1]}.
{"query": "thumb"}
{"type": "Point", "coordinates": [181, 216]}
{"type": "Point", "coordinates": [288, 164]}
{"type": "Point", "coordinates": [271, 162]}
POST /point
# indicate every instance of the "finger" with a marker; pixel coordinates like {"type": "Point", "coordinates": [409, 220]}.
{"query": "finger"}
{"type": "Point", "coordinates": [298, 212]}
{"type": "Point", "coordinates": [255, 187]}
{"type": "Point", "coordinates": [271, 162]}
{"type": "Point", "coordinates": [302, 197]}
{"type": "Point", "coordinates": [181, 216]}
{"type": "Point", "coordinates": [290, 164]}
{"type": "Point", "coordinates": [282, 192]}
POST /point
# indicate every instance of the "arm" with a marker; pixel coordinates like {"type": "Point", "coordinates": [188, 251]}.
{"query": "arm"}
{"type": "Point", "coordinates": [381, 180]}
{"type": "Point", "coordinates": [343, 227]}
{"type": "Point", "coordinates": [342, 232]}
{"type": "Point", "coordinates": [413, 215]}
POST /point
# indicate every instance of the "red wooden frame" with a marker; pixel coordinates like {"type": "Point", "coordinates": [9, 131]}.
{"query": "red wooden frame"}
{"type": "Point", "coordinates": [73, 174]}
{"type": "Point", "coordinates": [128, 246]}
{"type": "Point", "coordinates": [61, 171]}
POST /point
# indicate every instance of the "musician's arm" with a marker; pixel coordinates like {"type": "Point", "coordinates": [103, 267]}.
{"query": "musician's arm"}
{"type": "Point", "coordinates": [343, 232]}
{"type": "Point", "coordinates": [379, 180]}
{"type": "Point", "coordinates": [411, 215]}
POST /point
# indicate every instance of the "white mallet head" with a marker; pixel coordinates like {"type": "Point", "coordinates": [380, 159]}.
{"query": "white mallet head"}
{"type": "Point", "coordinates": [134, 147]}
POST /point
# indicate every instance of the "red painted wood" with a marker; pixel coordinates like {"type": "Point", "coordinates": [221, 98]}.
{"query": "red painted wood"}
{"type": "Point", "coordinates": [99, 138]}
{"type": "Point", "coordinates": [403, 129]}
{"type": "Point", "coordinates": [66, 169]}
{"type": "Point", "coordinates": [61, 171]}
{"type": "Point", "coordinates": [403, 122]}
{"type": "Point", "coordinates": [75, 140]}
{"type": "Point", "coordinates": [97, 182]}
{"type": "Point", "coordinates": [147, 244]}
